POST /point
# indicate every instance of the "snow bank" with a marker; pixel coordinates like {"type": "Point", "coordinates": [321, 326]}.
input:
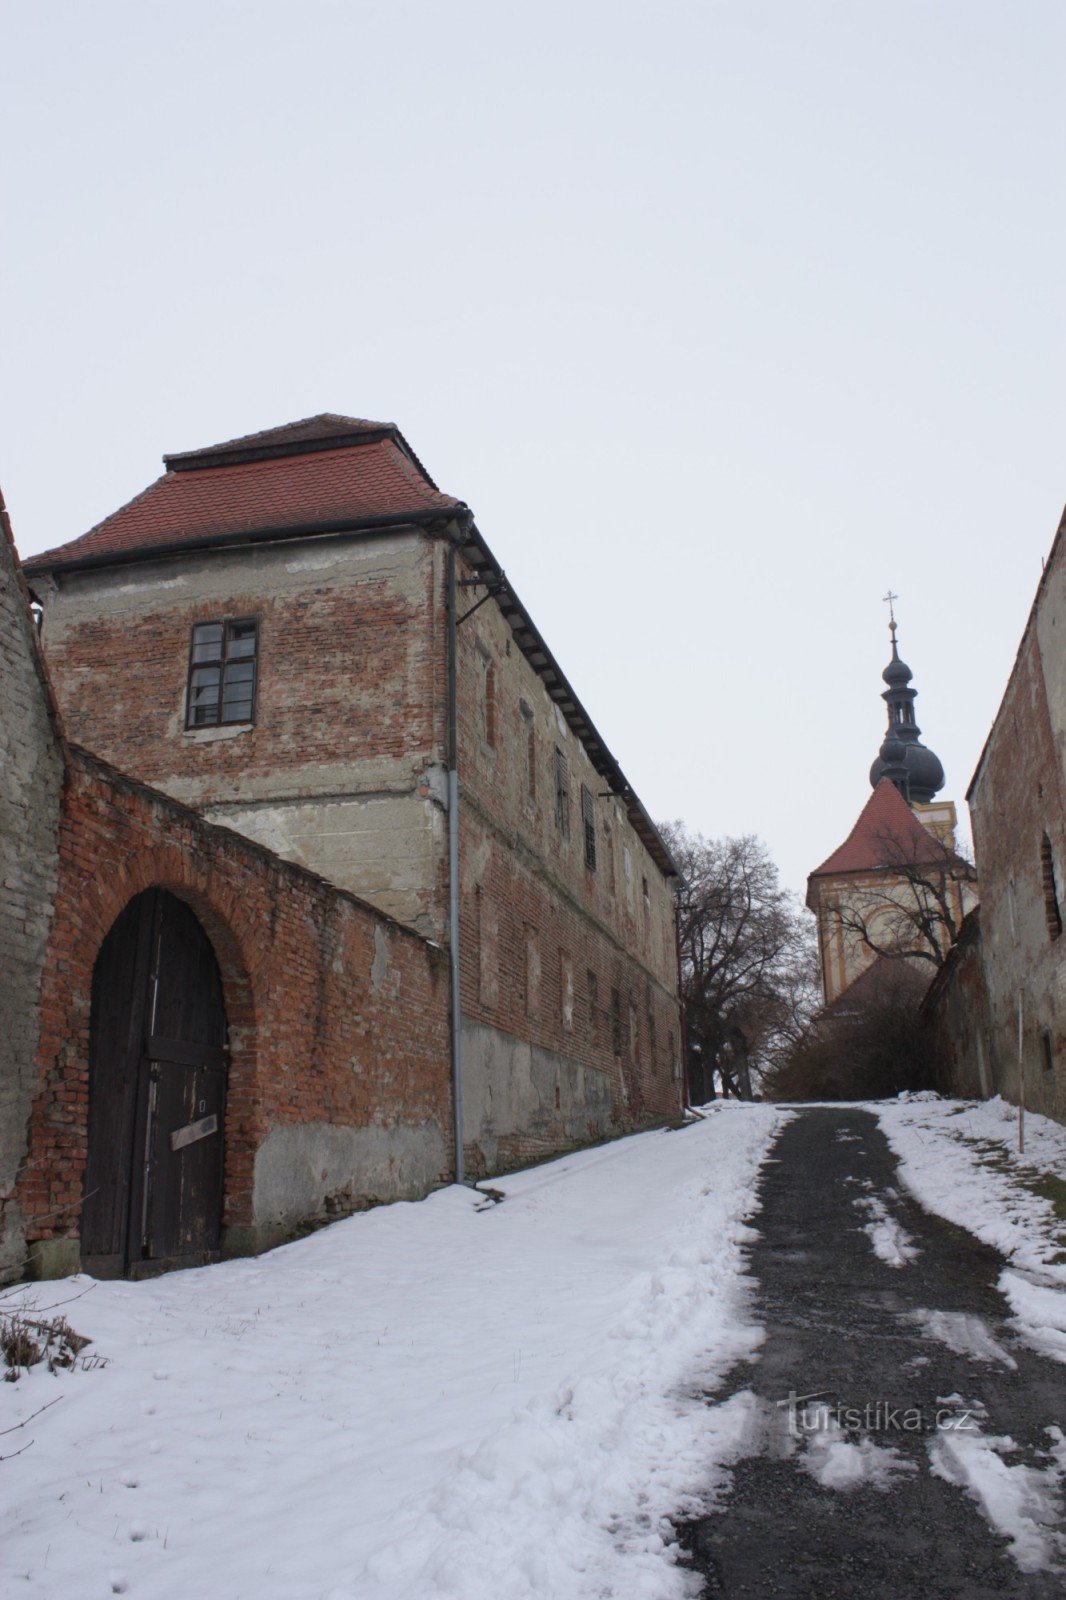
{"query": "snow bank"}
{"type": "Point", "coordinates": [427, 1400]}
{"type": "Point", "coordinates": [960, 1158]}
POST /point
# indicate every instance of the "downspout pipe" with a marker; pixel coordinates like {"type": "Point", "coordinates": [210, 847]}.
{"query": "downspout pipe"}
{"type": "Point", "coordinates": [451, 594]}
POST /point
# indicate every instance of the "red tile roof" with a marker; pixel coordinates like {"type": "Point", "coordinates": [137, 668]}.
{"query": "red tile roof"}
{"type": "Point", "coordinates": [327, 470]}
{"type": "Point", "coordinates": [885, 817]}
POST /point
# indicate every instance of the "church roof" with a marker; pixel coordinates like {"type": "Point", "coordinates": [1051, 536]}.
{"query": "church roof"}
{"type": "Point", "coordinates": [323, 473]}
{"type": "Point", "coordinates": [886, 816]}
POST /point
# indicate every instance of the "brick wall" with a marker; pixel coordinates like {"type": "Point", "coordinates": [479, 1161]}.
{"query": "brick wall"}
{"type": "Point", "coordinates": [1018, 805]}
{"type": "Point", "coordinates": [31, 775]}
{"type": "Point", "coordinates": [340, 769]}
{"type": "Point", "coordinates": [339, 1090]}
{"type": "Point", "coordinates": [549, 943]}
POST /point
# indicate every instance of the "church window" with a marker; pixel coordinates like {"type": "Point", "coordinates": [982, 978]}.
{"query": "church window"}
{"type": "Point", "coordinates": [1052, 909]}
{"type": "Point", "coordinates": [223, 661]}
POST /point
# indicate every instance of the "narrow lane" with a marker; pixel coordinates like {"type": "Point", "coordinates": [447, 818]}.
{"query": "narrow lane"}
{"type": "Point", "coordinates": [805, 1515]}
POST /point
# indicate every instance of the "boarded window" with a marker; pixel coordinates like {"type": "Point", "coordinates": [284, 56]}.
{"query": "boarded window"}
{"type": "Point", "coordinates": [487, 688]}
{"type": "Point", "coordinates": [561, 775]}
{"type": "Point", "coordinates": [634, 1031]}
{"type": "Point", "coordinates": [594, 1003]}
{"type": "Point", "coordinates": [530, 736]}
{"type": "Point", "coordinates": [488, 950]}
{"type": "Point", "coordinates": [566, 990]}
{"type": "Point", "coordinates": [223, 658]}
{"type": "Point", "coordinates": [532, 973]}
{"type": "Point", "coordinates": [588, 824]}
{"type": "Point", "coordinates": [1052, 909]}
{"type": "Point", "coordinates": [616, 1022]}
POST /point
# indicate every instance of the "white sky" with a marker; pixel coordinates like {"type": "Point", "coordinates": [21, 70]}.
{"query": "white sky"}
{"type": "Point", "coordinates": [723, 317]}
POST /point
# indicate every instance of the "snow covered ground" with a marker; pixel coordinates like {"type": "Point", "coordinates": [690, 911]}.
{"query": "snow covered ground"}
{"type": "Point", "coordinates": [960, 1158]}
{"type": "Point", "coordinates": [450, 1398]}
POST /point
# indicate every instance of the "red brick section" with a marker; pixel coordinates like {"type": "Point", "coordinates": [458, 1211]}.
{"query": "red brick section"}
{"type": "Point", "coordinates": [364, 482]}
{"type": "Point", "coordinates": [312, 1038]}
{"type": "Point", "coordinates": [345, 672]}
{"type": "Point", "coordinates": [886, 815]}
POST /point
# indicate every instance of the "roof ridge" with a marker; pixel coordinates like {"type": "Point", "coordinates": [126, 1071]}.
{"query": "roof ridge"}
{"type": "Point", "coordinates": [323, 425]}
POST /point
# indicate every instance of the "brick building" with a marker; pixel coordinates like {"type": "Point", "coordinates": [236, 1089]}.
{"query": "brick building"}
{"type": "Point", "coordinates": [1018, 804]}
{"type": "Point", "coordinates": [309, 652]}
{"type": "Point", "coordinates": [325, 1087]}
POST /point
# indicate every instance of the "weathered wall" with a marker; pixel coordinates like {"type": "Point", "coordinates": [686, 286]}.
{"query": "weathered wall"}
{"type": "Point", "coordinates": [1018, 797]}
{"type": "Point", "coordinates": [339, 1091]}
{"type": "Point", "coordinates": [340, 770]}
{"type": "Point", "coordinates": [569, 973]}
{"type": "Point", "coordinates": [31, 778]}
{"type": "Point", "coordinates": [956, 1011]}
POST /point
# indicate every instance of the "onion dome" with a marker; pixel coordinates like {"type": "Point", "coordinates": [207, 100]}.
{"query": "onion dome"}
{"type": "Point", "coordinates": [903, 758]}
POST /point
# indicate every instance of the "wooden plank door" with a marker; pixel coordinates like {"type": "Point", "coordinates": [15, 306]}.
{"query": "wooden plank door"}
{"type": "Point", "coordinates": [157, 1093]}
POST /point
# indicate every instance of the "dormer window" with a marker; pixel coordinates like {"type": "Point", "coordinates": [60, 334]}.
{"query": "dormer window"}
{"type": "Point", "coordinates": [223, 658]}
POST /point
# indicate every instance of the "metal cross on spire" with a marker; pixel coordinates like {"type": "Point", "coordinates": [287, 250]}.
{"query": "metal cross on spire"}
{"type": "Point", "coordinates": [890, 600]}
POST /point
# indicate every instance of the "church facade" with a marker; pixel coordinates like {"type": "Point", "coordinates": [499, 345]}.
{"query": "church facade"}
{"type": "Point", "coordinates": [896, 889]}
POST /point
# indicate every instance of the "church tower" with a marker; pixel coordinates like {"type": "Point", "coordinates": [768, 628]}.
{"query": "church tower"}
{"type": "Point", "coordinates": [896, 884]}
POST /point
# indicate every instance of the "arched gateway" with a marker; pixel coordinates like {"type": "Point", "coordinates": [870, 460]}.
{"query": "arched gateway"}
{"type": "Point", "coordinates": [157, 1088]}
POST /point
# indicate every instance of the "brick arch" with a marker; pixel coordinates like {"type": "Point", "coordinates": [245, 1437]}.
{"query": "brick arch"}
{"type": "Point", "coordinates": [89, 900]}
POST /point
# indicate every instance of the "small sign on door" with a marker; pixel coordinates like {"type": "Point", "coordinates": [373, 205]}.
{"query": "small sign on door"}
{"type": "Point", "coordinates": [193, 1131]}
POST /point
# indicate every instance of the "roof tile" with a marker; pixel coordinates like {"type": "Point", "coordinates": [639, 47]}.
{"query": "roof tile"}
{"type": "Point", "coordinates": [885, 816]}
{"type": "Point", "coordinates": [355, 483]}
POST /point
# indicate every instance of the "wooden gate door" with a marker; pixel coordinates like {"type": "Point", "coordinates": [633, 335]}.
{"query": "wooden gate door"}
{"type": "Point", "coordinates": [157, 1086]}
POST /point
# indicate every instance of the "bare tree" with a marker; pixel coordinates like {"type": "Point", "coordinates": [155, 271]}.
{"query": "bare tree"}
{"type": "Point", "coordinates": [911, 906]}
{"type": "Point", "coordinates": [747, 958]}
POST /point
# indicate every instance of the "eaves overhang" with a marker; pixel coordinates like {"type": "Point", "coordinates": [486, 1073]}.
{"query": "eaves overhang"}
{"type": "Point", "coordinates": [483, 565]}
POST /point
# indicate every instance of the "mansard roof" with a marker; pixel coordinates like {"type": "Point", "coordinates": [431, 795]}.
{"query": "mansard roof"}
{"type": "Point", "coordinates": [885, 820]}
{"type": "Point", "coordinates": [322, 474]}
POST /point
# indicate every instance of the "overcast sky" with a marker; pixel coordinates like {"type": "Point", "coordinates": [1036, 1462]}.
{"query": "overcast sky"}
{"type": "Point", "coordinates": [724, 318]}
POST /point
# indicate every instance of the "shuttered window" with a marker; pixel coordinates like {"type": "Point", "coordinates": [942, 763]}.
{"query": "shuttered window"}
{"type": "Point", "coordinates": [561, 772]}
{"type": "Point", "coordinates": [588, 824]}
{"type": "Point", "coordinates": [223, 657]}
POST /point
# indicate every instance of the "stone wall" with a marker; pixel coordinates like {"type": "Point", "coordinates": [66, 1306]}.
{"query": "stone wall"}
{"type": "Point", "coordinates": [955, 1010]}
{"type": "Point", "coordinates": [339, 1087]}
{"type": "Point", "coordinates": [31, 778]}
{"type": "Point", "coordinates": [1018, 804]}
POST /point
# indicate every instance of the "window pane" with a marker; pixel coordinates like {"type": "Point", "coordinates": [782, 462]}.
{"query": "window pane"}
{"type": "Point", "coordinates": [240, 639]}
{"type": "Point", "coordinates": [237, 708]}
{"type": "Point", "coordinates": [206, 679]}
{"type": "Point", "coordinates": [207, 641]}
{"type": "Point", "coordinates": [239, 672]}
